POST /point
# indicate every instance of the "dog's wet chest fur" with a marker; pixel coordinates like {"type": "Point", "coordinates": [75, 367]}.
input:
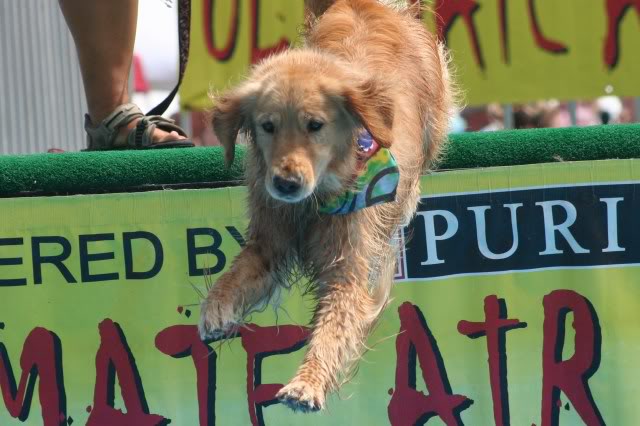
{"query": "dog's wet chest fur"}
{"type": "Point", "coordinates": [310, 239]}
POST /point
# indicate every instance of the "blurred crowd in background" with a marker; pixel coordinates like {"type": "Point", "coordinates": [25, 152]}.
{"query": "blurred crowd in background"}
{"type": "Point", "coordinates": [543, 114]}
{"type": "Point", "coordinates": [551, 113]}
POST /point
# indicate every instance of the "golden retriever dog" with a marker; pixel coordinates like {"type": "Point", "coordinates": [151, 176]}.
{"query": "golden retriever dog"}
{"type": "Point", "coordinates": [366, 64]}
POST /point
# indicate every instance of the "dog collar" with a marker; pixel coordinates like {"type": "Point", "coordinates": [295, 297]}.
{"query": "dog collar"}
{"type": "Point", "coordinates": [376, 180]}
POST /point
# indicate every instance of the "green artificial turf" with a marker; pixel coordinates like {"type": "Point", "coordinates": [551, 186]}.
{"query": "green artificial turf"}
{"type": "Point", "coordinates": [118, 171]}
{"type": "Point", "coordinates": [515, 147]}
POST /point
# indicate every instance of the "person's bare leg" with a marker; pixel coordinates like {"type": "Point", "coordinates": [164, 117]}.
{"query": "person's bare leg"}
{"type": "Point", "coordinates": [104, 32]}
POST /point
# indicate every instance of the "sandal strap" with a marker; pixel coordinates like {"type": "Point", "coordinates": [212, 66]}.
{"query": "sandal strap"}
{"type": "Point", "coordinates": [141, 137]}
{"type": "Point", "coordinates": [103, 136]}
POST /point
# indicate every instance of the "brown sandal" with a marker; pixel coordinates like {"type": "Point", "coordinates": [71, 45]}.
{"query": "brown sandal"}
{"type": "Point", "coordinates": [103, 136]}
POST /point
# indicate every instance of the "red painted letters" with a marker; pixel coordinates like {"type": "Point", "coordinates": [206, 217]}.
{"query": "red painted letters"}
{"type": "Point", "coordinates": [616, 10]}
{"type": "Point", "coordinates": [447, 11]}
{"type": "Point", "coordinates": [569, 376]}
{"type": "Point", "coordinates": [494, 328]}
{"type": "Point", "coordinates": [257, 52]}
{"type": "Point", "coordinates": [180, 341]}
{"type": "Point", "coordinates": [409, 406]}
{"type": "Point", "coordinates": [115, 357]}
{"type": "Point", "coordinates": [41, 358]}
{"type": "Point", "coordinates": [258, 342]}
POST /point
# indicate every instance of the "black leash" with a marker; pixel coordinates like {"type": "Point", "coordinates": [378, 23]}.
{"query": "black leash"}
{"type": "Point", "coordinates": [184, 30]}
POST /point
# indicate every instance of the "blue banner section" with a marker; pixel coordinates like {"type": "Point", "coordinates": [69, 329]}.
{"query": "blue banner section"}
{"type": "Point", "coordinates": [568, 226]}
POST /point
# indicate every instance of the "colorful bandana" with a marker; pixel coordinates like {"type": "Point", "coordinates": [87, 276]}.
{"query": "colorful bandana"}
{"type": "Point", "coordinates": [376, 179]}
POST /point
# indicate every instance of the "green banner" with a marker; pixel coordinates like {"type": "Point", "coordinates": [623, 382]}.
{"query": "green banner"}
{"type": "Point", "coordinates": [515, 303]}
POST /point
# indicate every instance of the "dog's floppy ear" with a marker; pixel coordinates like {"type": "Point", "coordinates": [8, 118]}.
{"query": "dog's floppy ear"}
{"type": "Point", "coordinates": [370, 103]}
{"type": "Point", "coordinates": [228, 118]}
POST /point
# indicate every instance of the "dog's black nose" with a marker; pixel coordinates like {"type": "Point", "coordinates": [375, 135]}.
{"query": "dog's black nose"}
{"type": "Point", "coordinates": [286, 186]}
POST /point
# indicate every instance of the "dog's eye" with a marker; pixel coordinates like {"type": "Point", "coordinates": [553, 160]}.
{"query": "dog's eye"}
{"type": "Point", "coordinates": [268, 127]}
{"type": "Point", "coordinates": [314, 125]}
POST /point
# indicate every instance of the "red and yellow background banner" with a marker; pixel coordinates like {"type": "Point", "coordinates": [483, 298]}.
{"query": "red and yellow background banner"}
{"type": "Point", "coordinates": [503, 51]}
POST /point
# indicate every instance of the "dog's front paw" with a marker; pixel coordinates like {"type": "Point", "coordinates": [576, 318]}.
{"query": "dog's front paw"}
{"type": "Point", "coordinates": [301, 396]}
{"type": "Point", "coordinates": [217, 319]}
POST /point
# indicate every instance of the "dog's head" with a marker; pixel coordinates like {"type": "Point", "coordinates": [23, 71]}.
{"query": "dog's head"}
{"type": "Point", "coordinates": [302, 111]}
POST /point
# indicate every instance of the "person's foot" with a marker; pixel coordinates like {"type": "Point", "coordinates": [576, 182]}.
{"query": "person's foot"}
{"type": "Point", "coordinates": [126, 127]}
{"type": "Point", "coordinates": [158, 135]}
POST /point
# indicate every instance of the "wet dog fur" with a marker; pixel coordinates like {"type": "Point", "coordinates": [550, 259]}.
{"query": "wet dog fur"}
{"type": "Point", "coordinates": [365, 64]}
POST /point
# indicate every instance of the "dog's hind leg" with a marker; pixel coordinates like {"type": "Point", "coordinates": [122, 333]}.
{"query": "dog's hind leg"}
{"type": "Point", "coordinates": [342, 321]}
{"type": "Point", "coordinates": [248, 284]}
